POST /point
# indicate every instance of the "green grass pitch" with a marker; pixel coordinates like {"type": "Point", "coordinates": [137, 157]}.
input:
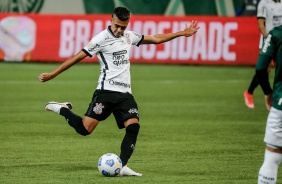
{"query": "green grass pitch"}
{"type": "Point", "coordinates": [195, 127]}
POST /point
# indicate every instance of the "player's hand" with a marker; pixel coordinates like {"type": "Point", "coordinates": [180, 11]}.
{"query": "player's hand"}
{"type": "Point", "coordinates": [268, 101]}
{"type": "Point", "coordinates": [45, 77]}
{"type": "Point", "coordinates": [191, 29]}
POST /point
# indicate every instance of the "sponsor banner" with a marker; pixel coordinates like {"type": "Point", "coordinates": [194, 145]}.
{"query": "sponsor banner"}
{"type": "Point", "coordinates": [54, 38]}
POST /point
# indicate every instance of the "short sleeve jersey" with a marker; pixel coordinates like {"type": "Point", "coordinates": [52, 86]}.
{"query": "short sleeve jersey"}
{"type": "Point", "coordinates": [272, 49]}
{"type": "Point", "coordinates": [271, 12]}
{"type": "Point", "coordinates": [113, 55]}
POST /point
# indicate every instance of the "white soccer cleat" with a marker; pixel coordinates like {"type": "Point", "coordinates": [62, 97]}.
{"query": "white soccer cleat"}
{"type": "Point", "coordinates": [56, 106]}
{"type": "Point", "coordinates": [126, 171]}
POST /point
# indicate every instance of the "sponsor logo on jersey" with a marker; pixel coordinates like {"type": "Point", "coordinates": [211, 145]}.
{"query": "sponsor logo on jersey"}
{"type": "Point", "coordinates": [116, 83]}
{"type": "Point", "coordinates": [119, 58]}
{"type": "Point", "coordinates": [121, 62]}
{"type": "Point", "coordinates": [120, 52]}
{"type": "Point", "coordinates": [266, 43]}
{"type": "Point", "coordinates": [98, 108]}
{"type": "Point", "coordinates": [91, 47]}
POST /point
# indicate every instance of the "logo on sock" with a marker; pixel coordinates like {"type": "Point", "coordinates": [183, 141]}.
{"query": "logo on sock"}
{"type": "Point", "coordinates": [98, 108]}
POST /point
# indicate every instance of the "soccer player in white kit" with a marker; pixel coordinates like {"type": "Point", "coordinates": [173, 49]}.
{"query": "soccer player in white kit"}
{"type": "Point", "coordinates": [113, 93]}
{"type": "Point", "coordinates": [269, 15]}
{"type": "Point", "coordinates": [271, 50]}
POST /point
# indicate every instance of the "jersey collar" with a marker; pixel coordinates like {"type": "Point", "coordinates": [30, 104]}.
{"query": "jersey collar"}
{"type": "Point", "coordinates": [110, 31]}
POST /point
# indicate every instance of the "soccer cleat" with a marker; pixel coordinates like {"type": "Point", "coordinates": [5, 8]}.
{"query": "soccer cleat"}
{"type": "Point", "coordinates": [126, 171]}
{"type": "Point", "coordinates": [56, 106]}
{"type": "Point", "coordinates": [249, 100]}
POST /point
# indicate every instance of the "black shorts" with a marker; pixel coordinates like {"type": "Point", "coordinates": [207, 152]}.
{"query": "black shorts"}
{"type": "Point", "coordinates": [122, 105]}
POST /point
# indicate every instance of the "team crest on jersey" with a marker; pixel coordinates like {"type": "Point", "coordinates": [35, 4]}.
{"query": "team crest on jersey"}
{"type": "Point", "coordinates": [128, 41]}
{"type": "Point", "coordinates": [98, 108]}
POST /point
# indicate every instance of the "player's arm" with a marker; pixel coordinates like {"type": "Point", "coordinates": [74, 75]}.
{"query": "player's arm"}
{"type": "Point", "coordinates": [266, 55]}
{"type": "Point", "coordinates": [261, 14]}
{"type": "Point", "coordinates": [262, 73]}
{"type": "Point", "coordinates": [261, 26]}
{"type": "Point", "coordinates": [263, 78]}
{"type": "Point", "coordinates": [161, 38]}
{"type": "Point", "coordinates": [64, 66]}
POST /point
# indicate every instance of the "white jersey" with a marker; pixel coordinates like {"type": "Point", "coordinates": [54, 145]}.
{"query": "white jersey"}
{"type": "Point", "coordinates": [113, 54]}
{"type": "Point", "coordinates": [271, 12]}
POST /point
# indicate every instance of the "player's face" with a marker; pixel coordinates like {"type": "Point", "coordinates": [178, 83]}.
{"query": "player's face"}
{"type": "Point", "coordinates": [118, 26]}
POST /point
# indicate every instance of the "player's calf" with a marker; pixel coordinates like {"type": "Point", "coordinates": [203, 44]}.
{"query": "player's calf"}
{"type": "Point", "coordinates": [129, 141]}
{"type": "Point", "coordinates": [73, 120]}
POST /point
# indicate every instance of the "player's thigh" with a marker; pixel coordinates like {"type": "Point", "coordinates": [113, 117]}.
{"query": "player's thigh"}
{"type": "Point", "coordinates": [125, 110]}
{"type": "Point", "coordinates": [273, 132]}
{"type": "Point", "coordinates": [99, 109]}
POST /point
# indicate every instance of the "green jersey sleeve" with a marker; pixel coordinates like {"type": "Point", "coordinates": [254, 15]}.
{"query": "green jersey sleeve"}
{"type": "Point", "coordinates": [266, 53]}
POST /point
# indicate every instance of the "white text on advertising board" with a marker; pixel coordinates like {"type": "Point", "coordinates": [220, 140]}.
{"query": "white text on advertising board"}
{"type": "Point", "coordinates": [212, 42]}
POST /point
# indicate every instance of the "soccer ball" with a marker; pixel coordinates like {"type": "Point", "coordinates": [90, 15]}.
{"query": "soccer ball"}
{"type": "Point", "coordinates": [109, 164]}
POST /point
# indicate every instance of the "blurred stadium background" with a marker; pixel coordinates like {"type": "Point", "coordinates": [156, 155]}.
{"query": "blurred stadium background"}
{"type": "Point", "coordinates": [163, 7]}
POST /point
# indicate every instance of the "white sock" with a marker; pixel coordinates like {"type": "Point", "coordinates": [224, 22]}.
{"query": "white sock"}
{"type": "Point", "coordinates": [269, 168]}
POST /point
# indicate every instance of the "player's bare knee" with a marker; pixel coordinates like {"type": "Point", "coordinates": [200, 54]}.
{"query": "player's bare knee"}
{"type": "Point", "coordinates": [274, 149]}
{"type": "Point", "coordinates": [90, 125]}
{"type": "Point", "coordinates": [131, 121]}
{"type": "Point", "coordinates": [88, 130]}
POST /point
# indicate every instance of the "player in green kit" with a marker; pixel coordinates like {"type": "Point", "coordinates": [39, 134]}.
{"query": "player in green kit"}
{"type": "Point", "coordinates": [269, 13]}
{"type": "Point", "coordinates": [271, 50]}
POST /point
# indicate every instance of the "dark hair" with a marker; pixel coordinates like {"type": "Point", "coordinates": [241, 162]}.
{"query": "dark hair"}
{"type": "Point", "coordinates": [122, 13]}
